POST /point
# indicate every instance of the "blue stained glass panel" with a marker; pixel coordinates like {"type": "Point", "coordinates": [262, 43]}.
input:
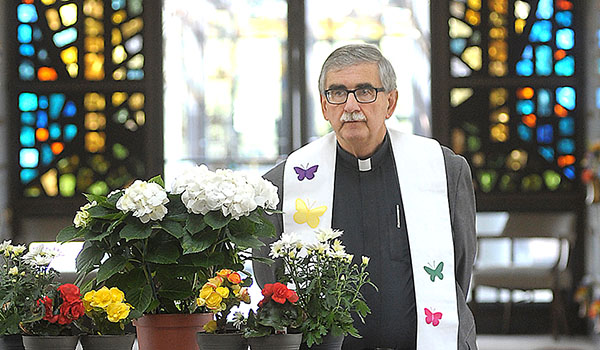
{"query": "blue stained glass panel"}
{"type": "Point", "coordinates": [28, 118]}
{"type": "Point", "coordinates": [28, 102]}
{"type": "Point", "coordinates": [525, 68]}
{"type": "Point", "coordinates": [543, 60]}
{"type": "Point", "coordinates": [27, 136]}
{"type": "Point", "coordinates": [56, 104]}
{"type": "Point", "coordinates": [37, 33]}
{"type": "Point", "coordinates": [527, 52]}
{"type": "Point", "coordinates": [42, 119]}
{"type": "Point", "coordinates": [545, 133]}
{"type": "Point", "coordinates": [525, 107]}
{"type": "Point", "coordinates": [565, 146]}
{"type": "Point", "coordinates": [544, 106]}
{"type": "Point", "coordinates": [569, 172]}
{"type": "Point", "coordinates": [70, 109]}
{"type": "Point", "coordinates": [566, 97]}
{"type": "Point", "coordinates": [566, 126]}
{"type": "Point", "coordinates": [565, 67]}
{"type": "Point", "coordinates": [26, 71]}
{"type": "Point", "coordinates": [26, 13]}
{"type": "Point", "coordinates": [547, 153]}
{"type": "Point", "coordinates": [525, 132]}
{"type": "Point", "coordinates": [24, 33]}
{"type": "Point", "coordinates": [26, 50]}
{"type": "Point", "coordinates": [47, 155]}
{"type": "Point", "coordinates": [43, 102]}
{"type": "Point", "coordinates": [541, 32]}
{"type": "Point", "coordinates": [135, 74]}
{"type": "Point", "coordinates": [28, 174]}
{"type": "Point", "coordinates": [29, 157]}
{"type": "Point", "coordinates": [117, 4]}
{"type": "Point", "coordinates": [598, 98]}
{"type": "Point", "coordinates": [43, 55]}
{"type": "Point", "coordinates": [565, 39]}
{"type": "Point", "coordinates": [545, 9]}
{"type": "Point", "coordinates": [55, 131]}
{"type": "Point", "coordinates": [564, 18]}
{"type": "Point", "coordinates": [70, 131]}
{"type": "Point", "coordinates": [457, 46]}
{"type": "Point", "coordinates": [65, 37]}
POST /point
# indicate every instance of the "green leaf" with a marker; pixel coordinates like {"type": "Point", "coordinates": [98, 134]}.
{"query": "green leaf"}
{"type": "Point", "coordinates": [202, 259]}
{"type": "Point", "coordinates": [69, 233]}
{"type": "Point", "coordinates": [114, 198]}
{"type": "Point", "coordinates": [161, 252]}
{"type": "Point", "coordinates": [175, 289]}
{"type": "Point", "coordinates": [216, 220]}
{"type": "Point", "coordinates": [100, 212]}
{"type": "Point", "coordinates": [113, 265]}
{"type": "Point", "coordinates": [139, 297]}
{"type": "Point", "coordinates": [91, 236]}
{"type": "Point", "coordinates": [158, 180]}
{"type": "Point", "coordinates": [134, 229]}
{"type": "Point", "coordinates": [173, 228]}
{"type": "Point", "coordinates": [195, 223]}
{"type": "Point", "coordinates": [265, 228]}
{"type": "Point", "coordinates": [198, 242]}
{"type": "Point", "coordinates": [95, 198]}
{"type": "Point", "coordinates": [88, 257]}
{"type": "Point", "coordinates": [245, 240]}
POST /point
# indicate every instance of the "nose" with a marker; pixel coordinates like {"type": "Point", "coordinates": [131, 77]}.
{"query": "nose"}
{"type": "Point", "coordinates": [351, 104]}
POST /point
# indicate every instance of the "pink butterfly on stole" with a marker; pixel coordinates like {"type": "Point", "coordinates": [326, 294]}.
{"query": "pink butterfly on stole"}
{"type": "Point", "coordinates": [432, 318]}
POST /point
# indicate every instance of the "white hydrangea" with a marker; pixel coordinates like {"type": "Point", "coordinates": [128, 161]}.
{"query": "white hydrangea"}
{"type": "Point", "coordinates": [40, 255]}
{"type": "Point", "coordinates": [145, 199]}
{"type": "Point", "coordinates": [82, 218]}
{"type": "Point", "coordinates": [232, 193]}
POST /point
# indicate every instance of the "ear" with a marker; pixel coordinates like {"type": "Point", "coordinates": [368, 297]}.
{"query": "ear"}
{"type": "Point", "coordinates": [392, 99]}
{"type": "Point", "coordinates": [324, 106]}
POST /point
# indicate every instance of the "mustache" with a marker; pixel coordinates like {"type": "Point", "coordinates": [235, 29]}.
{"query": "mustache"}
{"type": "Point", "coordinates": [353, 117]}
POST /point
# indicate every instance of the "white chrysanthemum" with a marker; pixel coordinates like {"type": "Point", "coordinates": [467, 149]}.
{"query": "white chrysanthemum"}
{"type": "Point", "coordinates": [13, 271]}
{"type": "Point", "coordinates": [337, 246]}
{"type": "Point", "coordinates": [5, 245]}
{"type": "Point", "coordinates": [82, 217]}
{"type": "Point", "coordinates": [326, 234]}
{"type": "Point", "coordinates": [277, 250]}
{"type": "Point", "coordinates": [40, 255]}
{"type": "Point", "coordinates": [338, 255]}
{"type": "Point", "coordinates": [18, 249]}
{"type": "Point", "coordinates": [319, 248]}
{"type": "Point", "coordinates": [145, 199]}
{"type": "Point", "coordinates": [365, 260]}
{"type": "Point", "coordinates": [238, 320]}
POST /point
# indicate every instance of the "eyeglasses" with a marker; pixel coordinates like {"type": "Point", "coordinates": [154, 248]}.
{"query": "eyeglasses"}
{"type": "Point", "coordinates": [362, 95]}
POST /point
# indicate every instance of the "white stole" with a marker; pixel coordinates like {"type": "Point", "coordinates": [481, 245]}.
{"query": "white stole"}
{"type": "Point", "coordinates": [308, 205]}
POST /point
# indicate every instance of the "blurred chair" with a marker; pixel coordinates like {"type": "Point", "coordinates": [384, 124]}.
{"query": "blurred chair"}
{"type": "Point", "coordinates": [559, 226]}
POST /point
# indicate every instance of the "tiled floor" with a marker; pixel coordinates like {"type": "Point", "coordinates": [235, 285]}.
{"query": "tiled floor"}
{"type": "Point", "coordinates": [534, 342]}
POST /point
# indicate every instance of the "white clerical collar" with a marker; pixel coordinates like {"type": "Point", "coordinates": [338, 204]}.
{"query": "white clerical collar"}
{"type": "Point", "coordinates": [364, 164]}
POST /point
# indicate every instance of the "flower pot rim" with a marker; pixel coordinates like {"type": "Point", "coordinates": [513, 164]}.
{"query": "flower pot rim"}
{"type": "Point", "coordinates": [164, 320]}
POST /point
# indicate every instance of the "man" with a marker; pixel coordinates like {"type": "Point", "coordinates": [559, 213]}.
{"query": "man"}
{"type": "Point", "coordinates": [403, 200]}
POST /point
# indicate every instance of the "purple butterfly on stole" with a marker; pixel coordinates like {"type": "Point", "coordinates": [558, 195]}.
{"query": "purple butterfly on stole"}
{"type": "Point", "coordinates": [309, 173]}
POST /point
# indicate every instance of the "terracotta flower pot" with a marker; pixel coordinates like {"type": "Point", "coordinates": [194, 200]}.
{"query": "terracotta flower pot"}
{"type": "Point", "coordinates": [11, 342]}
{"type": "Point", "coordinates": [232, 341]}
{"type": "Point", "coordinates": [50, 342]}
{"type": "Point", "coordinates": [170, 331]}
{"type": "Point", "coordinates": [276, 342]}
{"type": "Point", "coordinates": [104, 342]}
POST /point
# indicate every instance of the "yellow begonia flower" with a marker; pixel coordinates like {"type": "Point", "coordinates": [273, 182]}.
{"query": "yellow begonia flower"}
{"type": "Point", "coordinates": [205, 291]}
{"type": "Point", "coordinates": [244, 296]}
{"type": "Point", "coordinates": [87, 300]}
{"type": "Point", "coordinates": [200, 301]}
{"type": "Point", "coordinates": [213, 301]}
{"type": "Point", "coordinates": [117, 311]}
{"type": "Point", "coordinates": [210, 326]}
{"type": "Point", "coordinates": [223, 291]}
{"type": "Point", "coordinates": [101, 298]}
{"type": "Point", "coordinates": [236, 289]}
{"type": "Point", "coordinates": [117, 296]}
{"type": "Point", "coordinates": [224, 273]}
{"type": "Point", "coordinates": [214, 282]}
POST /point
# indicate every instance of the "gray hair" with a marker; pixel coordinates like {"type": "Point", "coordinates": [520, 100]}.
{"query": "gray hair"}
{"type": "Point", "coordinates": [350, 55]}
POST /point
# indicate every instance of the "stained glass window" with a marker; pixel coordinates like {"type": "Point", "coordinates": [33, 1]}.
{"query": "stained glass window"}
{"type": "Point", "coordinates": [514, 107]}
{"type": "Point", "coordinates": [80, 96]}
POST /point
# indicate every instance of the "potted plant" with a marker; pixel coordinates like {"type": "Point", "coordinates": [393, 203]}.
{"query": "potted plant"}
{"type": "Point", "coordinates": [53, 327]}
{"type": "Point", "coordinates": [277, 314]}
{"type": "Point", "coordinates": [160, 245]}
{"type": "Point", "coordinates": [107, 315]}
{"type": "Point", "coordinates": [328, 286]}
{"type": "Point", "coordinates": [219, 295]}
{"type": "Point", "coordinates": [23, 277]}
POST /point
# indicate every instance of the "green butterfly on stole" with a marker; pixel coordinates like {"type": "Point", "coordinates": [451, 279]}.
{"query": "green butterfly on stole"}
{"type": "Point", "coordinates": [435, 273]}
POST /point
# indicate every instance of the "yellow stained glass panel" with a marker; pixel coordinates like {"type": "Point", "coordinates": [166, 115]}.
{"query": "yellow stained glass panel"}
{"type": "Point", "coordinates": [459, 29]}
{"type": "Point", "coordinates": [140, 118]}
{"type": "Point", "coordinates": [94, 44]}
{"type": "Point", "coordinates": [119, 54]}
{"type": "Point", "coordinates": [94, 66]}
{"type": "Point", "coordinates": [66, 185]}
{"type": "Point", "coordinates": [93, 27]}
{"type": "Point", "coordinates": [136, 101]}
{"type": "Point", "coordinates": [68, 14]}
{"type": "Point", "coordinates": [474, 4]}
{"type": "Point", "coordinates": [459, 95]}
{"type": "Point", "coordinates": [48, 2]}
{"type": "Point", "coordinates": [73, 69]}
{"type": "Point", "coordinates": [115, 37]}
{"type": "Point", "coordinates": [94, 8]}
{"type": "Point", "coordinates": [498, 68]}
{"type": "Point", "coordinates": [49, 182]}
{"type": "Point", "coordinates": [498, 97]}
{"type": "Point", "coordinates": [500, 115]}
{"type": "Point", "coordinates": [500, 6]}
{"type": "Point", "coordinates": [473, 17]}
{"type": "Point", "coordinates": [520, 25]}
{"type": "Point", "coordinates": [516, 160]}
{"type": "Point", "coordinates": [120, 74]}
{"type": "Point", "coordinates": [95, 141]}
{"type": "Point", "coordinates": [69, 55]}
{"type": "Point", "coordinates": [119, 16]}
{"type": "Point", "coordinates": [498, 50]}
{"type": "Point", "coordinates": [498, 33]}
{"type": "Point", "coordinates": [472, 57]}
{"type": "Point", "coordinates": [499, 133]}
{"type": "Point", "coordinates": [118, 98]}
{"type": "Point", "coordinates": [136, 62]}
{"type": "Point", "coordinates": [53, 19]}
{"type": "Point", "coordinates": [95, 121]}
{"type": "Point", "coordinates": [93, 101]}
{"type": "Point", "coordinates": [132, 27]}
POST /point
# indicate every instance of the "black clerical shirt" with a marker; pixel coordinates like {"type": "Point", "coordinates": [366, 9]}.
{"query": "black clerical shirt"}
{"type": "Point", "coordinates": [367, 206]}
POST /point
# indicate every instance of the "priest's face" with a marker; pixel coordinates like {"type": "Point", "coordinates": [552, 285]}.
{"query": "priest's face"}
{"type": "Point", "coordinates": [359, 127]}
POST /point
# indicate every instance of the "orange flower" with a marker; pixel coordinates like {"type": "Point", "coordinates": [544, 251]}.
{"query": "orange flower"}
{"type": "Point", "coordinates": [235, 278]}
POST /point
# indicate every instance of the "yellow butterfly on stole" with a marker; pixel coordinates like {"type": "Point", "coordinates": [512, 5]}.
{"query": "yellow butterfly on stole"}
{"type": "Point", "coordinates": [304, 214]}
